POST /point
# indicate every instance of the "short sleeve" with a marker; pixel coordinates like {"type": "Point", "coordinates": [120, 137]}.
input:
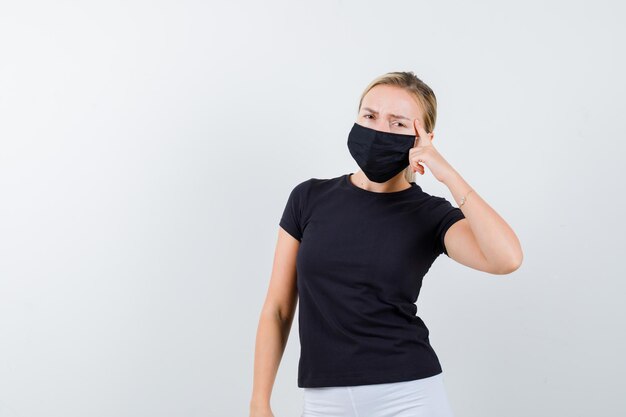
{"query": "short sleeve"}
{"type": "Point", "coordinates": [291, 219]}
{"type": "Point", "coordinates": [446, 215]}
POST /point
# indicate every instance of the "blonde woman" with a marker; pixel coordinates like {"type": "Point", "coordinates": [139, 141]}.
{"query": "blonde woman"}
{"type": "Point", "coordinates": [353, 251]}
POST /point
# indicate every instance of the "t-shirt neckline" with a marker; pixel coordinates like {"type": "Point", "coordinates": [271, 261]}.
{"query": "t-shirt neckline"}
{"type": "Point", "coordinates": [348, 184]}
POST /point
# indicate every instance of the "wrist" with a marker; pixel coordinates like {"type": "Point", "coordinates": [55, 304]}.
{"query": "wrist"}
{"type": "Point", "coordinates": [458, 187]}
{"type": "Point", "coordinates": [260, 404]}
{"type": "Point", "coordinates": [452, 177]}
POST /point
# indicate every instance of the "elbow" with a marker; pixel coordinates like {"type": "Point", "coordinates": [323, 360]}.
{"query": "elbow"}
{"type": "Point", "coordinates": [512, 266]}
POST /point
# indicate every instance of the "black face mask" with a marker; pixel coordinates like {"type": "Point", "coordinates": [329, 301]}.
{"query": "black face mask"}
{"type": "Point", "coordinates": [381, 155]}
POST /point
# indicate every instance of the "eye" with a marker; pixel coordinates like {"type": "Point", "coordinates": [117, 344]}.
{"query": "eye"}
{"type": "Point", "coordinates": [401, 124]}
{"type": "Point", "coordinates": [367, 115]}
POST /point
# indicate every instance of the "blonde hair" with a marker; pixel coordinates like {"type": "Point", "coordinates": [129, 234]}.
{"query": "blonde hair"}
{"type": "Point", "coordinates": [422, 93]}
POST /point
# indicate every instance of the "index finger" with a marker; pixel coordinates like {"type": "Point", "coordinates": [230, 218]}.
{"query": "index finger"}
{"type": "Point", "coordinates": [421, 133]}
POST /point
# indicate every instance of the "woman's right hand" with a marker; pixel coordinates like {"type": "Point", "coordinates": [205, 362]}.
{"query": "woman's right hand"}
{"type": "Point", "coordinates": [261, 412]}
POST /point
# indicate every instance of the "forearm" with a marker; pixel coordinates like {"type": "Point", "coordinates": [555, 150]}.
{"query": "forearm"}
{"type": "Point", "coordinates": [271, 339]}
{"type": "Point", "coordinates": [497, 241]}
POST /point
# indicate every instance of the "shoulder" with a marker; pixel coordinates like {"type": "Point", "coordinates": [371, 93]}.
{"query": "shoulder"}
{"type": "Point", "coordinates": [313, 185]}
{"type": "Point", "coordinates": [440, 208]}
{"type": "Point", "coordinates": [432, 201]}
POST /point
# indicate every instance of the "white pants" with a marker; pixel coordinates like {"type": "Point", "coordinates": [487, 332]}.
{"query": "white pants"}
{"type": "Point", "coordinates": [424, 397]}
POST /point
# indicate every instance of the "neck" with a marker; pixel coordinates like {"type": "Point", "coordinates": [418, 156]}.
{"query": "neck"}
{"type": "Point", "coordinates": [397, 183]}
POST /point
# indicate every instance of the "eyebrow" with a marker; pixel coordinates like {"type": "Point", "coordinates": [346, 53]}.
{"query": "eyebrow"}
{"type": "Point", "coordinates": [395, 116]}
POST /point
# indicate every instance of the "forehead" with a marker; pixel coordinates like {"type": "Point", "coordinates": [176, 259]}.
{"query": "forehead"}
{"type": "Point", "coordinates": [391, 99]}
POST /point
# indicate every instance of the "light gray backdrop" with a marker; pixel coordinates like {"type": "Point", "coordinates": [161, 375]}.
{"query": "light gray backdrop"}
{"type": "Point", "coordinates": [147, 149]}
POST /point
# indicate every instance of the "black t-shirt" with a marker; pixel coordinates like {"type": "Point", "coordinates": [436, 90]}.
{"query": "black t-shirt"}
{"type": "Point", "coordinates": [360, 265]}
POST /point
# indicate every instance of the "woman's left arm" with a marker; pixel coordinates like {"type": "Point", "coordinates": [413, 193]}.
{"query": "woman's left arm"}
{"type": "Point", "coordinates": [482, 240]}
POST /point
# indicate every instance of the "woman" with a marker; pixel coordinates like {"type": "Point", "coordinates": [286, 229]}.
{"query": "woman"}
{"type": "Point", "coordinates": [354, 249]}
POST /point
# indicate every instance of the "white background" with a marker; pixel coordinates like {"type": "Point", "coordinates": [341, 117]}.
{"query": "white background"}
{"type": "Point", "coordinates": [147, 150]}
